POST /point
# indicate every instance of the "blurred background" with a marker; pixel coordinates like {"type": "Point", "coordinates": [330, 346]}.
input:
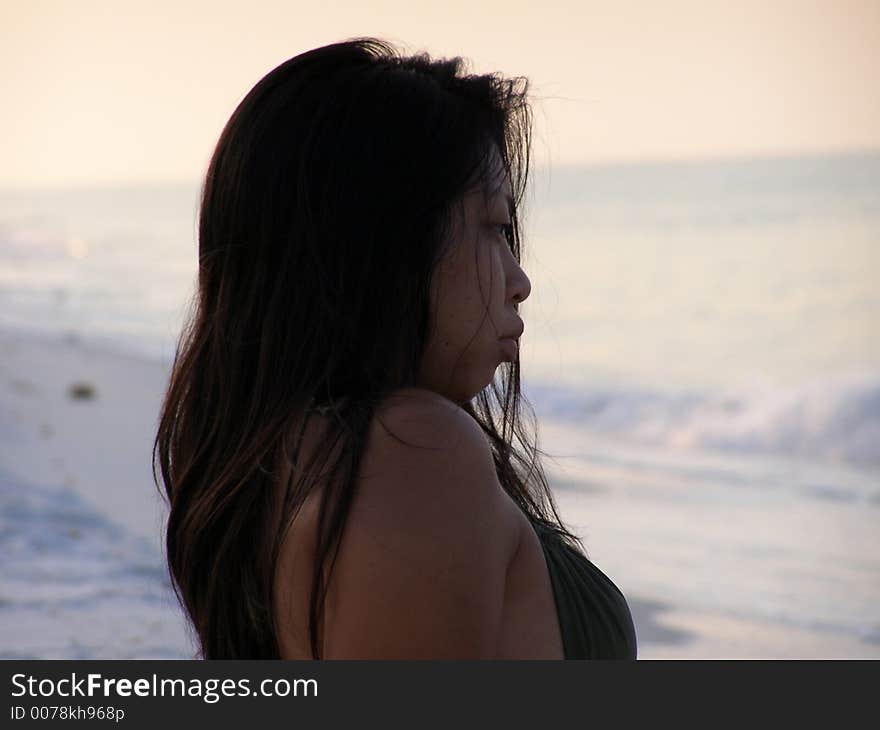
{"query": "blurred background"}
{"type": "Point", "coordinates": [701, 344]}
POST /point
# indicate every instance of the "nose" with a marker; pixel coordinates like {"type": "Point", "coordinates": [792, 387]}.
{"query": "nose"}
{"type": "Point", "coordinates": [518, 285]}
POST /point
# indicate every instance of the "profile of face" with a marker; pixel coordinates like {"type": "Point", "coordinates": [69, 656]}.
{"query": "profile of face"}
{"type": "Point", "coordinates": [474, 293]}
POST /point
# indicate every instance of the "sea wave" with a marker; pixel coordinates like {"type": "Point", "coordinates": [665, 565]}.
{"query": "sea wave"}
{"type": "Point", "coordinates": [831, 419]}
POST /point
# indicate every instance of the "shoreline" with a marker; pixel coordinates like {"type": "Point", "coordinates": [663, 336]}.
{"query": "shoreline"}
{"type": "Point", "coordinates": [98, 445]}
{"type": "Point", "coordinates": [94, 454]}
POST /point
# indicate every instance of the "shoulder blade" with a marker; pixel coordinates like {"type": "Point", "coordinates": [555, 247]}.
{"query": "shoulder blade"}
{"type": "Point", "coordinates": [423, 561]}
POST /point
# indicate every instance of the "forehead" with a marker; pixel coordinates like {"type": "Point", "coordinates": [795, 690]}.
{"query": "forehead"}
{"type": "Point", "coordinates": [490, 196]}
{"type": "Point", "coordinates": [498, 183]}
{"type": "Point", "coordinates": [494, 191]}
{"type": "Point", "coordinates": [500, 189]}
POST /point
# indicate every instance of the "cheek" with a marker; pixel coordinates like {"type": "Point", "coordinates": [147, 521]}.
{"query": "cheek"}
{"type": "Point", "coordinates": [465, 288]}
{"type": "Point", "coordinates": [483, 281]}
{"type": "Point", "coordinates": [491, 272]}
{"type": "Point", "coordinates": [469, 311]}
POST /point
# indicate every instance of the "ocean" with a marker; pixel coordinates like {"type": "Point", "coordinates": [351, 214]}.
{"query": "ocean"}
{"type": "Point", "coordinates": [702, 349]}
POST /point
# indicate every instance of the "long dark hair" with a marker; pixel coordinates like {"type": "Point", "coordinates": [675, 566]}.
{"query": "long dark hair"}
{"type": "Point", "coordinates": [324, 211]}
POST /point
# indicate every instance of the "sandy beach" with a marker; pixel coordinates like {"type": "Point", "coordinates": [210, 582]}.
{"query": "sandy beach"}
{"type": "Point", "coordinates": [99, 445]}
{"type": "Point", "coordinates": [83, 575]}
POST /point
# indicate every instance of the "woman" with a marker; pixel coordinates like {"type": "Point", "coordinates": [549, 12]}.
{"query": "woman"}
{"type": "Point", "coordinates": [347, 476]}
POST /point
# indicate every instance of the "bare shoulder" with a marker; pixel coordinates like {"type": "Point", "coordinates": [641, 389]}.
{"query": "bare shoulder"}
{"type": "Point", "coordinates": [425, 451]}
{"type": "Point", "coordinates": [422, 566]}
{"type": "Point", "coordinates": [426, 420]}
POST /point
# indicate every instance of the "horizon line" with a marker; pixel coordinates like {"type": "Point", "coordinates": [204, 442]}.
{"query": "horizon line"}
{"type": "Point", "coordinates": [12, 187]}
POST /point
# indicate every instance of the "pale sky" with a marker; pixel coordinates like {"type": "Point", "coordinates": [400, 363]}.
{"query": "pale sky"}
{"type": "Point", "coordinates": [108, 92]}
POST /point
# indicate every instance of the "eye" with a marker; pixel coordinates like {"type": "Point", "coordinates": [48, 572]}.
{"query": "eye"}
{"type": "Point", "coordinates": [506, 231]}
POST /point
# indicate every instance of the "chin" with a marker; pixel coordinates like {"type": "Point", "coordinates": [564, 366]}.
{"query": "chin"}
{"type": "Point", "coordinates": [463, 392]}
{"type": "Point", "coordinates": [470, 380]}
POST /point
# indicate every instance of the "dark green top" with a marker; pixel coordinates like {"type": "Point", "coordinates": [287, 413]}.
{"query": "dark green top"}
{"type": "Point", "coordinates": [594, 618]}
{"type": "Point", "coordinates": [593, 614]}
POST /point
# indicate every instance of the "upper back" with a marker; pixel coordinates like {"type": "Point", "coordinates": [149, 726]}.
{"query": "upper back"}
{"type": "Point", "coordinates": [423, 559]}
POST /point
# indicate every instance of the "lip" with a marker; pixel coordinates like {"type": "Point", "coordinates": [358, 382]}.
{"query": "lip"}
{"type": "Point", "coordinates": [510, 346]}
{"type": "Point", "coordinates": [516, 334]}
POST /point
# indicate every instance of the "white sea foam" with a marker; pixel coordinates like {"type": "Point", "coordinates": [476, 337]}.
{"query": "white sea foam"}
{"type": "Point", "coordinates": [77, 586]}
{"type": "Point", "coordinates": [834, 419]}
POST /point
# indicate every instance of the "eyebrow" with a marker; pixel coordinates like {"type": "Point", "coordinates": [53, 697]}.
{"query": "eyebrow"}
{"type": "Point", "coordinates": [507, 199]}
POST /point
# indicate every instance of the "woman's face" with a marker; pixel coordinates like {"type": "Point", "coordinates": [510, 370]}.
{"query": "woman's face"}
{"type": "Point", "coordinates": [474, 292]}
